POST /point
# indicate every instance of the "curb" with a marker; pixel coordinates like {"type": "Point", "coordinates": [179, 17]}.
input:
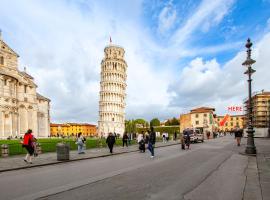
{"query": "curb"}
{"type": "Point", "coordinates": [76, 159]}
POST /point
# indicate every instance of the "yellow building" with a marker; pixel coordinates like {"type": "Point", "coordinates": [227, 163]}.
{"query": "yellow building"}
{"type": "Point", "coordinates": [260, 113]}
{"type": "Point", "coordinates": [72, 129]}
{"type": "Point", "coordinates": [230, 122]}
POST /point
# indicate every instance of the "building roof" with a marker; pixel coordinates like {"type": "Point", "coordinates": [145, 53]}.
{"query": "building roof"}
{"type": "Point", "coordinates": [57, 125]}
{"type": "Point", "coordinates": [202, 110]}
{"type": "Point", "coordinates": [81, 124]}
{"type": "Point", "coordinates": [39, 96]}
{"type": "Point", "coordinates": [8, 47]}
{"type": "Point", "coordinates": [26, 75]}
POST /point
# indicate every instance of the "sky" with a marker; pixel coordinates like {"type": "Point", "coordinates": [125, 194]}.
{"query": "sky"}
{"type": "Point", "coordinates": [181, 54]}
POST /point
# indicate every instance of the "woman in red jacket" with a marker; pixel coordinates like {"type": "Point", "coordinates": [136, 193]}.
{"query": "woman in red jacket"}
{"type": "Point", "coordinates": [28, 140]}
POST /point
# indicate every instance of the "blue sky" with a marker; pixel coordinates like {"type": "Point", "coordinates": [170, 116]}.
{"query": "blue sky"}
{"type": "Point", "coordinates": [180, 54]}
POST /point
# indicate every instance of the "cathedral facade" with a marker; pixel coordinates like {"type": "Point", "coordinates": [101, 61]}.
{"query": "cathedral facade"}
{"type": "Point", "coordinates": [112, 91]}
{"type": "Point", "coordinates": [21, 107]}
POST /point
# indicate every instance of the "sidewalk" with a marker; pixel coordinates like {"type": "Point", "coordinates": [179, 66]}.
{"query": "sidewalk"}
{"type": "Point", "coordinates": [16, 162]}
{"type": "Point", "coordinates": [257, 184]}
{"type": "Point", "coordinates": [263, 162]}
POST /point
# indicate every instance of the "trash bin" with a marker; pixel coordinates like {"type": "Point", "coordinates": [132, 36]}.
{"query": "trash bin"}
{"type": "Point", "coordinates": [4, 150]}
{"type": "Point", "coordinates": [62, 150]}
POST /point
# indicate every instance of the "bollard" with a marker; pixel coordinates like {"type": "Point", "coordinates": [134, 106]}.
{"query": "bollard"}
{"type": "Point", "coordinates": [38, 148]}
{"type": "Point", "coordinates": [62, 151]}
{"type": "Point", "coordinates": [4, 150]}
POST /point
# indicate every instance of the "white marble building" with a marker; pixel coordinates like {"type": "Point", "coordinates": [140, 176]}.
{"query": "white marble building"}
{"type": "Point", "coordinates": [21, 107]}
{"type": "Point", "coordinates": [112, 91]}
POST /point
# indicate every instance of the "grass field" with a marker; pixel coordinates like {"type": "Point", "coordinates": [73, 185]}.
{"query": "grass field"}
{"type": "Point", "coordinates": [49, 144]}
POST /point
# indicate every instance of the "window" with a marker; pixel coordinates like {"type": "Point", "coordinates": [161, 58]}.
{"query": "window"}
{"type": "Point", "coordinates": [218, 119]}
{"type": "Point", "coordinates": [197, 115]}
{"type": "Point", "coordinates": [197, 122]}
{"type": "Point", "coordinates": [1, 60]}
{"type": "Point", "coordinates": [231, 123]}
{"type": "Point", "coordinates": [226, 124]}
{"type": "Point", "coordinates": [25, 89]}
{"type": "Point", "coordinates": [236, 118]}
{"type": "Point", "coordinates": [205, 115]}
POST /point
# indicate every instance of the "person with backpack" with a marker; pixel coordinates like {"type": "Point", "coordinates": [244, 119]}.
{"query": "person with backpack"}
{"type": "Point", "coordinates": [27, 143]}
{"type": "Point", "coordinates": [80, 142]}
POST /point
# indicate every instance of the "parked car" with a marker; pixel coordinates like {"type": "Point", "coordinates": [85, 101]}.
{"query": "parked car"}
{"type": "Point", "coordinates": [196, 136]}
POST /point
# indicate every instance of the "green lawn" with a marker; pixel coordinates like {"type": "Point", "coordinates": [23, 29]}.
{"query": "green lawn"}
{"type": "Point", "coordinates": [49, 144]}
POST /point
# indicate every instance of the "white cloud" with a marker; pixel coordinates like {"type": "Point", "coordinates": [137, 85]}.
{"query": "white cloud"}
{"type": "Point", "coordinates": [62, 46]}
{"type": "Point", "coordinates": [167, 18]}
{"type": "Point", "coordinates": [207, 83]}
{"type": "Point", "coordinates": [62, 43]}
{"type": "Point", "coordinates": [208, 13]}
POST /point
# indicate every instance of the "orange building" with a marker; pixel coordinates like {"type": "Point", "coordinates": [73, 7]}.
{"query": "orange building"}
{"type": "Point", "coordinates": [72, 129]}
{"type": "Point", "coordinates": [185, 122]}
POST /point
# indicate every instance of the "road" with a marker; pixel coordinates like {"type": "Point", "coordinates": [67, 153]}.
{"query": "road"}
{"type": "Point", "coordinates": [210, 170]}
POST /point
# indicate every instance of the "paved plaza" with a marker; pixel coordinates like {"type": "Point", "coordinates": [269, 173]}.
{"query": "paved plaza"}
{"type": "Point", "coordinates": [215, 169]}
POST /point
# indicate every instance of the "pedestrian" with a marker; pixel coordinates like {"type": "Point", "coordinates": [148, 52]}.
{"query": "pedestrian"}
{"type": "Point", "coordinates": [208, 135]}
{"type": "Point", "coordinates": [182, 141]}
{"type": "Point", "coordinates": [152, 141]}
{"type": "Point", "coordinates": [163, 138]}
{"type": "Point", "coordinates": [27, 143]}
{"type": "Point", "coordinates": [141, 142]}
{"type": "Point", "coordinates": [187, 139]}
{"type": "Point", "coordinates": [110, 141]}
{"type": "Point", "coordinates": [175, 136]}
{"type": "Point", "coordinates": [80, 142]}
{"type": "Point", "coordinates": [125, 139]}
{"type": "Point", "coordinates": [238, 133]}
{"type": "Point", "coordinates": [146, 137]}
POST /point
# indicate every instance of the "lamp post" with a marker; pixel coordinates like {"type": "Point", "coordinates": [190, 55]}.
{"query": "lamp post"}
{"type": "Point", "coordinates": [250, 148]}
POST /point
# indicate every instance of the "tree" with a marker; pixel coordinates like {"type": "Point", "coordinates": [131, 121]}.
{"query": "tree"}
{"type": "Point", "coordinates": [155, 122]}
{"type": "Point", "coordinates": [174, 121]}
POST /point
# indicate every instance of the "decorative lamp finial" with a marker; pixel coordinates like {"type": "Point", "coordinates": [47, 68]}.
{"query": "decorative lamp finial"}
{"type": "Point", "coordinates": [24, 69]}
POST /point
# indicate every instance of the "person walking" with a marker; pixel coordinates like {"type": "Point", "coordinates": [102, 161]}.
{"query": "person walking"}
{"type": "Point", "coordinates": [110, 142]}
{"type": "Point", "coordinates": [152, 141]}
{"type": "Point", "coordinates": [27, 143]}
{"type": "Point", "coordinates": [80, 142]}
{"type": "Point", "coordinates": [163, 138]}
{"type": "Point", "coordinates": [182, 140]}
{"type": "Point", "coordinates": [125, 139]}
{"type": "Point", "coordinates": [141, 142]}
{"type": "Point", "coordinates": [187, 139]}
{"type": "Point", "coordinates": [238, 133]}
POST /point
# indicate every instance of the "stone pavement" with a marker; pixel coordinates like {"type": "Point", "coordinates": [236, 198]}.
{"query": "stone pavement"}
{"type": "Point", "coordinates": [257, 186]}
{"type": "Point", "coordinates": [263, 162]}
{"type": "Point", "coordinates": [16, 162]}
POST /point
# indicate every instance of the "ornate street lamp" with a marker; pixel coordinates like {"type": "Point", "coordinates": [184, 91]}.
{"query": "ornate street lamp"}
{"type": "Point", "coordinates": [250, 148]}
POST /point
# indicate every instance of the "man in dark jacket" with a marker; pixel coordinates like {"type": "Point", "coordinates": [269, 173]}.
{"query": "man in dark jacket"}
{"type": "Point", "coordinates": [110, 142]}
{"type": "Point", "coordinates": [152, 141]}
{"type": "Point", "coordinates": [125, 139]}
{"type": "Point", "coordinates": [238, 135]}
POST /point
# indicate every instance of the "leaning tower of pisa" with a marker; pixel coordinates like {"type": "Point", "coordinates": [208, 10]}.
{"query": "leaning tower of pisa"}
{"type": "Point", "coordinates": [112, 91]}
